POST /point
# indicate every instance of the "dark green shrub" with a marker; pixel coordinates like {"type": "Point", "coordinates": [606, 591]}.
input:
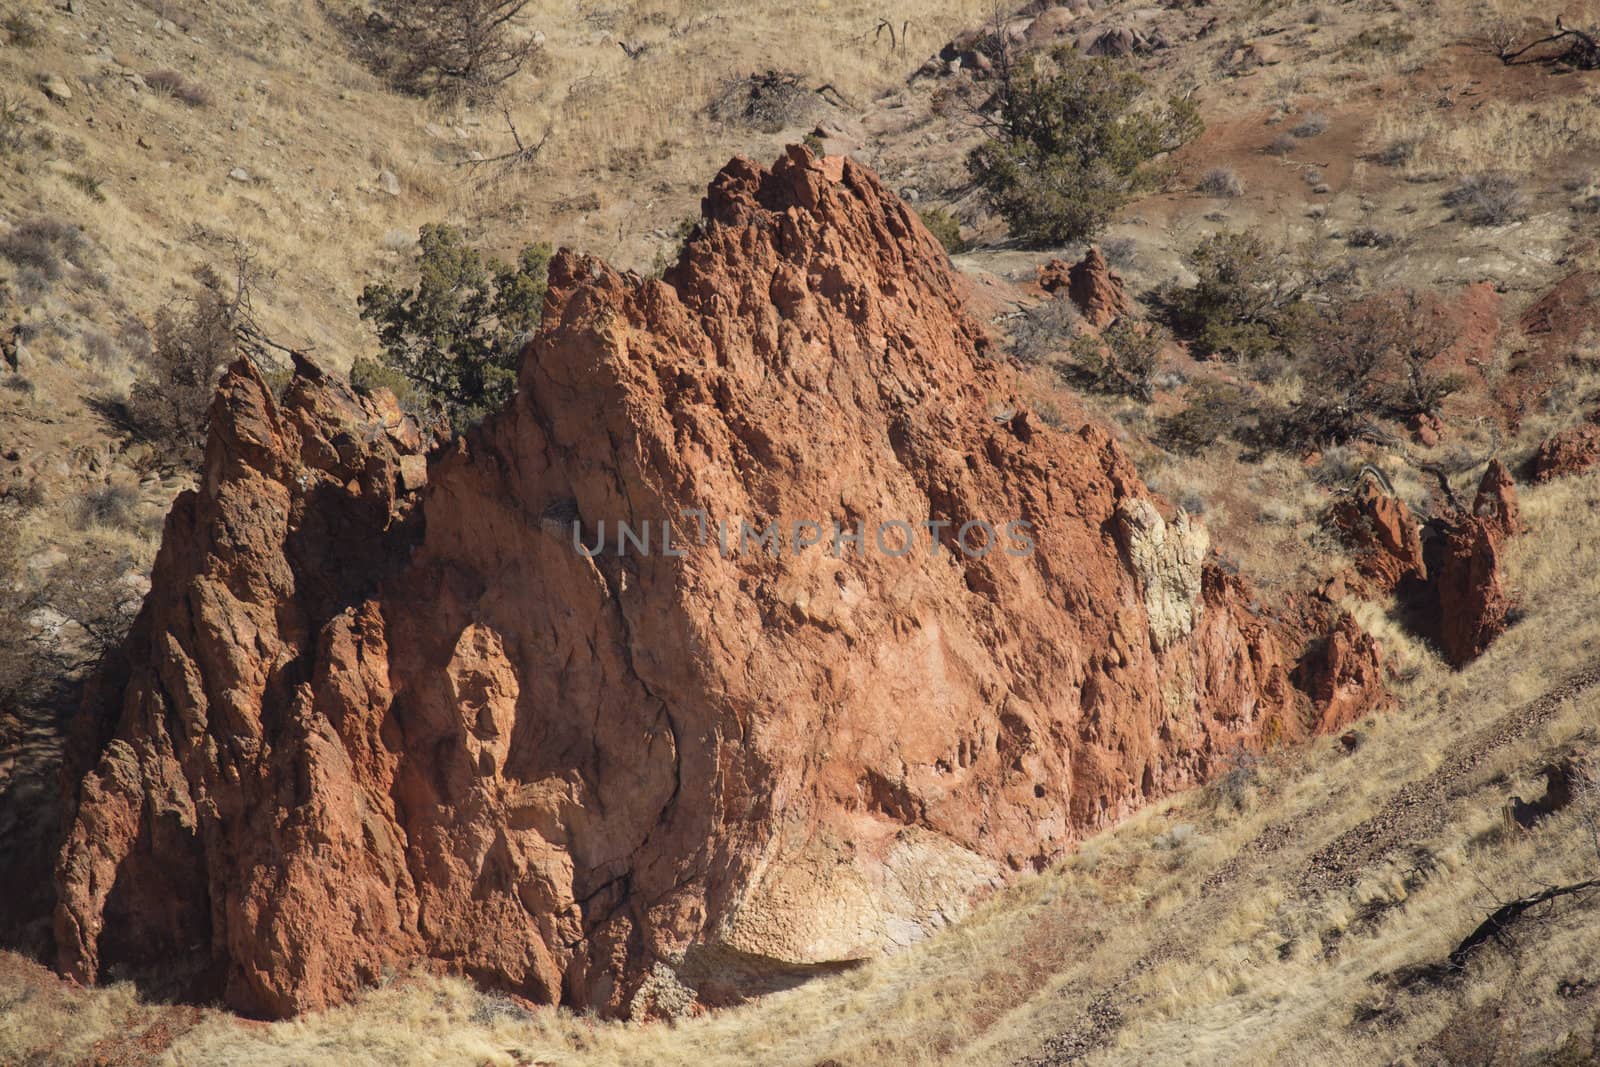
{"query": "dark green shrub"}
{"type": "Point", "coordinates": [456, 334]}
{"type": "Point", "coordinates": [945, 227]}
{"type": "Point", "coordinates": [1244, 304]}
{"type": "Point", "coordinates": [1073, 140]}
{"type": "Point", "coordinates": [1123, 360]}
{"type": "Point", "coordinates": [1215, 409]}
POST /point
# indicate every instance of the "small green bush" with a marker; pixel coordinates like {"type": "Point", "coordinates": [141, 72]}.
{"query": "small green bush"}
{"type": "Point", "coordinates": [946, 228]}
{"type": "Point", "coordinates": [1243, 305]}
{"type": "Point", "coordinates": [456, 334]}
{"type": "Point", "coordinates": [1073, 140]}
{"type": "Point", "coordinates": [1123, 360]}
{"type": "Point", "coordinates": [1215, 409]}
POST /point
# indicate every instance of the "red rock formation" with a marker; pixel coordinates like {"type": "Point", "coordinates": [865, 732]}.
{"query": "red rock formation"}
{"type": "Point", "coordinates": [1496, 501]}
{"type": "Point", "coordinates": [374, 712]}
{"type": "Point", "coordinates": [1384, 536]}
{"type": "Point", "coordinates": [1342, 672]}
{"type": "Point", "coordinates": [1571, 451]}
{"type": "Point", "coordinates": [1473, 605]}
{"type": "Point", "coordinates": [1093, 286]}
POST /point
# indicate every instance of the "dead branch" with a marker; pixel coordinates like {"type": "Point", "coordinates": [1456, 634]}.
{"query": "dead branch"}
{"type": "Point", "coordinates": [834, 96]}
{"type": "Point", "coordinates": [523, 153]}
{"type": "Point", "coordinates": [1506, 915]}
{"type": "Point", "coordinates": [1583, 49]}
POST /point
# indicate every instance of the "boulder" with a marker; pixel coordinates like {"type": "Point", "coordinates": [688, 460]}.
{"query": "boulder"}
{"type": "Point", "coordinates": [1571, 451]}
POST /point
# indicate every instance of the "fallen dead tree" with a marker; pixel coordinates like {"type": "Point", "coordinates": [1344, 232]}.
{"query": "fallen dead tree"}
{"type": "Point", "coordinates": [1582, 48]}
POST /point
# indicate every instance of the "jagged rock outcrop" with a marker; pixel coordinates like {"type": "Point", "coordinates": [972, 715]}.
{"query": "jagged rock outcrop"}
{"type": "Point", "coordinates": [1342, 670]}
{"type": "Point", "coordinates": [1091, 284]}
{"type": "Point", "coordinates": [376, 711]}
{"type": "Point", "coordinates": [1473, 605]}
{"type": "Point", "coordinates": [1384, 536]}
{"type": "Point", "coordinates": [1571, 451]}
{"type": "Point", "coordinates": [1449, 576]}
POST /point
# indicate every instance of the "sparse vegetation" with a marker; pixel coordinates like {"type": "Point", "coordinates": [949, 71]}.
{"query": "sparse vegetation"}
{"type": "Point", "coordinates": [1220, 181]}
{"type": "Point", "coordinates": [181, 89]}
{"type": "Point", "coordinates": [1215, 409]}
{"type": "Point", "coordinates": [1382, 40]}
{"type": "Point", "coordinates": [114, 506]}
{"type": "Point", "coordinates": [1368, 359]}
{"type": "Point", "coordinates": [1044, 330]}
{"type": "Point", "coordinates": [768, 101]}
{"type": "Point", "coordinates": [190, 344]}
{"type": "Point", "coordinates": [1280, 145]}
{"type": "Point", "coordinates": [88, 185]}
{"type": "Point", "coordinates": [1488, 199]}
{"type": "Point", "coordinates": [1122, 360]}
{"type": "Point", "coordinates": [1397, 153]}
{"type": "Point", "coordinates": [1313, 124]}
{"type": "Point", "coordinates": [43, 244]}
{"type": "Point", "coordinates": [1371, 237]}
{"type": "Point", "coordinates": [21, 30]}
{"type": "Point", "coordinates": [13, 125]}
{"type": "Point", "coordinates": [1073, 138]}
{"type": "Point", "coordinates": [946, 227]}
{"type": "Point", "coordinates": [456, 334]}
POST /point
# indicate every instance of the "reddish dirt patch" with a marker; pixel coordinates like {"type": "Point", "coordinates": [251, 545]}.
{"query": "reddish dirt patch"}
{"type": "Point", "coordinates": [1556, 328]}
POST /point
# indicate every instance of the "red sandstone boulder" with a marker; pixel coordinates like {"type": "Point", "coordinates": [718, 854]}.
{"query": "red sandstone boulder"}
{"type": "Point", "coordinates": [1571, 451]}
{"type": "Point", "coordinates": [374, 712]}
{"type": "Point", "coordinates": [1092, 285]}
{"type": "Point", "coordinates": [1343, 673]}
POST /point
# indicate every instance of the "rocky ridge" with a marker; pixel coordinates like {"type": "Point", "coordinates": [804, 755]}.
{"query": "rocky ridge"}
{"type": "Point", "coordinates": [381, 707]}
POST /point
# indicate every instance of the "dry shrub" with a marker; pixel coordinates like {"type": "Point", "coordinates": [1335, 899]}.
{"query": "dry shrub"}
{"type": "Point", "coordinates": [768, 102]}
{"type": "Point", "coordinates": [1488, 199]}
{"type": "Point", "coordinates": [175, 85]}
{"type": "Point", "coordinates": [1220, 181]}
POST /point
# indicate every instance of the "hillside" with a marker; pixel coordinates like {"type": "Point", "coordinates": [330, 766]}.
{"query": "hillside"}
{"type": "Point", "coordinates": [1235, 772]}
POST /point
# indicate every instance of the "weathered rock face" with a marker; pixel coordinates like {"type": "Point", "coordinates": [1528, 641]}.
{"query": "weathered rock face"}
{"type": "Point", "coordinates": [1473, 605]}
{"type": "Point", "coordinates": [1385, 537]}
{"type": "Point", "coordinates": [1091, 284]}
{"type": "Point", "coordinates": [374, 712]}
{"type": "Point", "coordinates": [1569, 452]}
